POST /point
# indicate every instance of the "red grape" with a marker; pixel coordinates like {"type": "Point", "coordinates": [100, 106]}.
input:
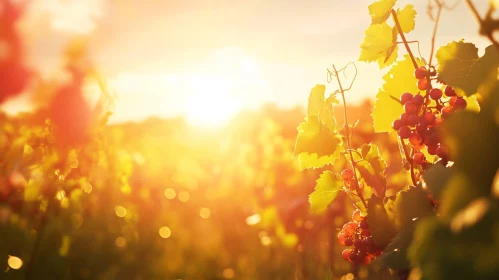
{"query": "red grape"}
{"type": "Point", "coordinates": [413, 119]}
{"type": "Point", "coordinates": [404, 118]}
{"type": "Point", "coordinates": [442, 152]}
{"type": "Point", "coordinates": [435, 93]}
{"type": "Point", "coordinates": [446, 111]}
{"type": "Point", "coordinates": [404, 132]}
{"type": "Point", "coordinates": [347, 174]}
{"type": "Point", "coordinates": [363, 224]}
{"type": "Point", "coordinates": [429, 118]}
{"type": "Point", "coordinates": [365, 232]}
{"type": "Point", "coordinates": [405, 97]}
{"type": "Point", "coordinates": [414, 138]}
{"type": "Point", "coordinates": [452, 100]}
{"type": "Point", "coordinates": [348, 242]}
{"type": "Point", "coordinates": [460, 103]}
{"type": "Point", "coordinates": [345, 254]}
{"type": "Point", "coordinates": [421, 72]}
{"type": "Point", "coordinates": [410, 107]}
{"type": "Point", "coordinates": [341, 238]}
{"type": "Point", "coordinates": [423, 84]}
{"type": "Point", "coordinates": [418, 100]}
{"type": "Point", "coordinates": [366, 260]}
{"type": "Point", "coordinates": [432, 149]}
{"type": "Point", "coordinates": [356, 216]}
{"type": "Point", "coordinates": [418, 158]}
{"type": "Point", "coordinates": [396, 124]}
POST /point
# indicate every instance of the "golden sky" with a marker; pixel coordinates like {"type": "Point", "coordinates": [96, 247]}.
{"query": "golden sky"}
{"type": "Point", "coordinates": [171, 57]}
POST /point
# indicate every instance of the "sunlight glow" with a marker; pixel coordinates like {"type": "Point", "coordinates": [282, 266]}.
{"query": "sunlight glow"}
{"type": "Point", "coordinates": [211, 105]}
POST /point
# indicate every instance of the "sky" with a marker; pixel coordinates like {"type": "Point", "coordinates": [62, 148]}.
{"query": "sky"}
{"type": "Point", "coordinates": [169, 57]}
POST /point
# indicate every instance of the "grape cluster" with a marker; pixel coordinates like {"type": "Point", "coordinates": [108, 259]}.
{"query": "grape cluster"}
{"type": "Point", "coordinates": [356, 233]}
{"type": "Point", "coordinates": [424, 113]}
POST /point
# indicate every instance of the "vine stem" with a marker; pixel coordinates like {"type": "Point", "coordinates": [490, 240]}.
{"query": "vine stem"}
{"type": "Point", "coordinates": [480, 20]}
{"type": "Point", "coordinates": [437, 20]}
{"type": "Point", "coordinates": [415, 64]}
{"type": "Point", "coordinates": [347, 128]}
{"type": "Point", "coordinates": [413, 177]}
{"type": "Point", "coordinates": [402, 36]}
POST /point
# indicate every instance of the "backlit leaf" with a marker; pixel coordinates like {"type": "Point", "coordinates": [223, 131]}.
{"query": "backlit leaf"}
{"type": "Point", "coordinates": [460, 66]}
{"type": "Point", "coordinates": [326, 190]}
{"type": "Point", "coordinates": [372, 168]}
{"type": "Point", "coordinates": [406, 18]}
{"type": "Point", "coordinates": [378, 41]}
{"type": "Point", "coordinates": [398, 80]}
{"type": "Point", "coordinates": [381, 226]}
{"type": "Point", "coordinates": [409, 206]}
{"type": "Point", "coordinates": [395, 254]}
{"type": "Point", "coordinates": [380, 10]}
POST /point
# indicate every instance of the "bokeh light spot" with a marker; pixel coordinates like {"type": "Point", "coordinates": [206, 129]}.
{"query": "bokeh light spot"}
{"type": "Point", "coordinates": [204, 213]}
{"type": "Point", "coordinates": [170, 193]}
{"type": "Point", "coordinates": [228, 273]}
{"type": "Point", "coordinates": [165, 232]}
{"type": "Point", "coordinates": [184, 196]}
{"type": "Point", "coordinates": [14, 262]}
{"type": "Point", "coordinates": [120, 211]}
{"type": "Point", "coordinates": [120, 242]}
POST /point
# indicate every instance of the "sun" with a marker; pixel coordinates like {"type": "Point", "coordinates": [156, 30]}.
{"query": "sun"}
{"type": "Point", "coordinates": [211, 104]}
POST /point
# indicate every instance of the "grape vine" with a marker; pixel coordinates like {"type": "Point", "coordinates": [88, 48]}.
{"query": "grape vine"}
{"type": "Point", "coordinates": [425, 106]}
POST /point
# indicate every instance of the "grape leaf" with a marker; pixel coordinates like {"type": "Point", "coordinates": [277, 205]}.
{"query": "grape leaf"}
{"type": "Point", "coordinates": [390, 58]}
{"type": "Point", "coordinates": [308, 161]}
{"type": "Point", "coordinates": [406, 18]}
{"type": "Point", "coordinates": [398, 80]}
{"type": "Point", "coordinates": [377, 43]}
{"type": "Point", "coordinates": [327, 188]}
{"type": "Point", "coordinates": [408, 206]}
{"type": "Point", "coordinates": [436, 178]}
{"type": "Point", "coordinates": [380, 10]}
{"type": "Point", "coordinates": [317, 144]}
{"type": "Point", "coordinates": [460, 66]}
{"type": "Point", "coordinates": [380, 225]}
{"type": "Point", "coordinates": [395, 254]}
{"type": "Point", "coordinates": [472, 141]}
{"type": "Point", "coordinates": [372, 168]}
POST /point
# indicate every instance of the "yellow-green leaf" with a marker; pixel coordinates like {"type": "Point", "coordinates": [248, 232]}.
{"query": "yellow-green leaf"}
{"type": "Point", "coordinates": [326, 190]}
{"type": "Point", "coordinates": [460, 66]}
{"type": "Point", "coordinates": [380, 10]}
{"type": "Point", "coordinates": [406, 18]}
{"type": "Point", "coordinates": [372, 168]}
{"type": "Point", "coordinates": [378, 41]}
{"type": "Point", "coordinates": [398, 80]}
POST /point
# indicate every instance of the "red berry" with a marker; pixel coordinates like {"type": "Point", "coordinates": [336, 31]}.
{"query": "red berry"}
{"type": "Point", "coordinates": [345, 254]}
{"type": "Point", "coordinates": [418, 158]}
{"type": "Point", "coordinates": [341, 238]}
{"type": "Point", "coordinates": [414, 138]}
{"type": "Point", "coordinates": [353, 257]}
{"type": "Point", "coordinates": [410, 107]}
{"type": "Point", "coordinates": [366, 260]}
{"type": "Point", "coordinates": [347, 174]}
{"type": "Point", "coordinates": [404, 132]}
{"type": "Point", "coordinates": [435, 93]}
{"type": "Point", "coordinates": [452, 100]}
{"type": "Point", "coordinates": [396, 124]}
{"type": "Point", "coordinates": [365, 232]}
{"type": "Point", "coordinates": [421, 72]}
{"type": "Point", "coordinates": [432, 149]}
{"type": "Point", "coordinates": [423, 84]}
{"type": "Point", "coordinates": [413, 119]}
{"type": "Point", "coordinates": [460, 103]}
{"type": "Point", "coordinates": [442, 152]}
{"type": "Point", "coordinates": [356, 216]}
{"type": "Point", "coordinates": [363, 224]}
{"type": "Point", "coordinates": [429, 118]}
{"type": "Point", "coordinates": [405, 97]}
{"type": "Point", "coordinates": [446, 111]}
{"type": "Point", "coordinates": [449, 91]}
{"type": "Point", "coordinates": [418, 100]}
{"type": "Point", "coordinates": [404, 118]}
{"type": "Point", "coordinates": [348, 242]}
